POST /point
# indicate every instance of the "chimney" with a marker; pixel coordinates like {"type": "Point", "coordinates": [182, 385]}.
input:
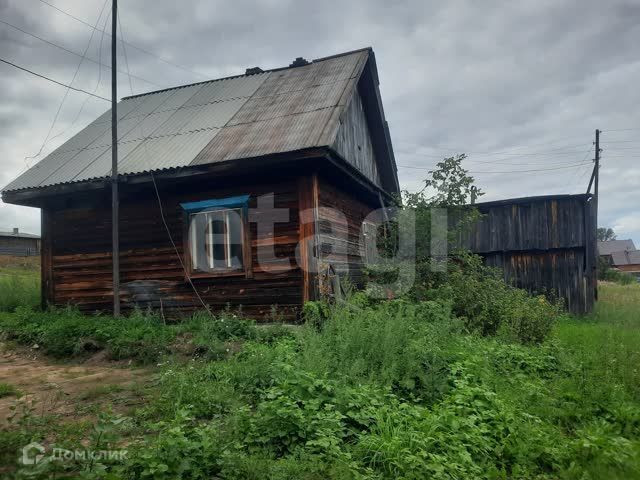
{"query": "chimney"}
{"type": "Point", "coordinates": [16, 231]}
{"type": "Point", "coordinates": [299, 62]}
{"type": "Point", "coordinates": [253, 71]}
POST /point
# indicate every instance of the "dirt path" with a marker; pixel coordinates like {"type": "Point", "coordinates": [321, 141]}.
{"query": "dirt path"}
{"type": "Point", "coordinates": [68, 389]}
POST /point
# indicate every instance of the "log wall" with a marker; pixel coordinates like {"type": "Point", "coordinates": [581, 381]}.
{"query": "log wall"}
{"type": "Point", "coordinates": [340, 242]}
{"type": "Point", "coordinates": [78, 270]}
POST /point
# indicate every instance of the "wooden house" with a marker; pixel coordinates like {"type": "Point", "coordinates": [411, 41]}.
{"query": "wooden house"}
{"type": "Point", "coordinates": [606, 250]}
{"type": "Point", "coordinates": [627, 261]}
{"type": "Point", "coordinates": [543, 244]}
{"type": "Point", "coordinates": [19, 244]}
{"type": "Point", "coordinates": [200, 164]}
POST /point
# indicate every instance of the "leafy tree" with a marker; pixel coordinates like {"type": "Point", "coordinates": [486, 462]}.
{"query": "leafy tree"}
{"type": "Point", "coordinates": [452, 184]}
{"type": "Point", "coordinates": [605, 234]}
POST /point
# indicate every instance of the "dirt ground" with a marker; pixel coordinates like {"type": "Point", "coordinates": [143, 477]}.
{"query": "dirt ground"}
{"type": "Point", "coordinates": [67, 390]}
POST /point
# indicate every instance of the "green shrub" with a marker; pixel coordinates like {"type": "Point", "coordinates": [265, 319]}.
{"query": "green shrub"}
{"type": "Point", "coordinates": [489, 306]}
{"type": "Point", "coordinates": [616, 276]}
{"type": "Point", "coordinates": [395, 343]}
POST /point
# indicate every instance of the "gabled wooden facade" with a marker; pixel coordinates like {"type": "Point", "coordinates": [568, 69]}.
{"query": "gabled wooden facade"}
{"type": "Point", "coordinates": [171, 263]}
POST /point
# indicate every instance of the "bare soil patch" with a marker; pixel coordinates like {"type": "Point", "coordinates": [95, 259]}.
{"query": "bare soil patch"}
{"type": "Point", "coordinates": [68, 390]}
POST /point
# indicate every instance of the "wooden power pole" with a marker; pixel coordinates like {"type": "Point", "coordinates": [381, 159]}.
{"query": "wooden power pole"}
{"type": "Point", "coordinates": [596, 199]}
{"type": "Point", "coordinates": [114, 166]}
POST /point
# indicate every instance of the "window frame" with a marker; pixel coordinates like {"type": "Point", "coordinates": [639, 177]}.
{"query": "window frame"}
{"type": "Point", "coordinates": [246, 270]}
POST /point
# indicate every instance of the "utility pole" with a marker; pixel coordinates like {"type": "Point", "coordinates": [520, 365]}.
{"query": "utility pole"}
{"type": "Point", "coordinates": [597, 173]}
{"type": "Point", "coordinates": [115, 238]}
{"type": "Point", "coordinates": [596, 199]}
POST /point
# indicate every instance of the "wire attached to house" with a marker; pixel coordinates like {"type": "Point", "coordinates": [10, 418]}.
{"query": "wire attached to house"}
{"type": "Point", "coordinates": [166, 226]}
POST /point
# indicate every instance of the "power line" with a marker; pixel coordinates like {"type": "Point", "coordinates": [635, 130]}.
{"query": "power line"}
{"type": "Point", "coordinates": [501, 152]}
{"type": "Point", "coordinates": [100, 64]}
{"type": "Point", "coordinates": [581, 177]}
{"type": "Point", "coordinates": [575, 165]}
{"type": "Point", "coordinates": [129, 44]}
{"type": "Point", "coordinates": [66, 93]}
{"type": "Point", "coordinates": [124, 51]}
{"type": "Point", "coordinates": [52, 80]}
{"type": "Point", "coordinates": [53, 44]}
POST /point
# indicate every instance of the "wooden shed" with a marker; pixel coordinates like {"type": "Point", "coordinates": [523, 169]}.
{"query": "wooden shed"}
{"type": "Point", "coordinates": [203, 167]}
{"type": "Point", "coordinates": [19, 244]}
{"type": "Point", "coordinates": [542, 244]}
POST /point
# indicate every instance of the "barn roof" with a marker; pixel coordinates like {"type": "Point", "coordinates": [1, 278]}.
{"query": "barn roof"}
{"type": "Point", "coordinates": [277, 111]}
{"type": "Point", "coordinates": [611, 246]}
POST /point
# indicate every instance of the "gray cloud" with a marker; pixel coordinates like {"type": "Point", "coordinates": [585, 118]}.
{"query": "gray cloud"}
{"type": "Point", "coordinates": [520, 84]}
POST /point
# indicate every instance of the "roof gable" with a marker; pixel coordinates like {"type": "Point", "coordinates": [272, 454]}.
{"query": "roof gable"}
{"type": "Point", "coordinates": [612, 246]}
{"type": "Point", "coordinates": [283, 110]}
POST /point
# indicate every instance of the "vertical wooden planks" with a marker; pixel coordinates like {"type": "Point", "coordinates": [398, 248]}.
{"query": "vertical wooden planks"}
{"type": "Point", "coordinates": [308, 213]}
{"type": "Point", "coordinates": [47, 292]}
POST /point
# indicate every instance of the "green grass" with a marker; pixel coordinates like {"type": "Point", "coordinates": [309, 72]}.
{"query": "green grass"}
{"type": "Point", "coordinates": [19, 282]}
{"type": "Point", "coordinates": [7, 390]}
{"type": "Point", "coordinates": [607, 343]}
{"type": "Point", "coordinates": [398, 389]}
{"type": "Point", "coordinates": [18, 288]}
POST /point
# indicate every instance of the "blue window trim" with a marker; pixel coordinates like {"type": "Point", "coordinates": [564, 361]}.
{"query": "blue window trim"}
{"type": "Point", "coordinates": [240, 201]}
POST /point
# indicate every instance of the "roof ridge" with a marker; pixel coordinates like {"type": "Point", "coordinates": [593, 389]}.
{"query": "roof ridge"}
{"type": "Point", "coordinates": [231, 77]}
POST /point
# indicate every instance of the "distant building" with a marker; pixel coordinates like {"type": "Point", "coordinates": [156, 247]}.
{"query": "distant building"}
{"type": "Point", "coordinates": [606, 249]}
{"type": "Point", "coordinates": [19, 244]}
{"type": "Point", "coordinates": [621, 255]}
{"type": "Point", "coordinates": [627, 261]}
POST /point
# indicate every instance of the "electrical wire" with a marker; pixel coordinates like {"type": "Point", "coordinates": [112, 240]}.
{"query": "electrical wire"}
{"type": "Point", "coordinates": [52, 80]}
{"type": "Point", "coordinates": [166, 226]}
{"type": "Point", "coordinates": [511, 151]}
{"type": "Point", "coordinates": [84, 103]}
{"type": "Point", "coordinates": [140, 49]}
{"type": "Point", "coordinates": [516, 147]}
{"type": "Point", "coordinates": [66, 93]}
{"type": "Point", "coordinates": [48, 42]}
{"type": "Point", "coordinates": [124, 52]}
{"type": "Point", "coordinates": [581, 177]}
{"type": "Point", "coordinates": [509, 171]}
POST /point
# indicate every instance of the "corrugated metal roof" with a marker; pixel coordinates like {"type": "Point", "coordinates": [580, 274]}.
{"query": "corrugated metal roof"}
{"type": "Point", "coordinates": [613, 246]}
{"type": "Point", "coordinates": [19, 235]}
{"type": "Point", "coordinates": [273, 112]}
{"type": "Point", "coordinates": [629, 257]}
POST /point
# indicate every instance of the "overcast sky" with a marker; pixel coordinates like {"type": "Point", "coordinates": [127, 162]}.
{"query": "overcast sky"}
{"type": "Point", "coordinates": [518, 86]}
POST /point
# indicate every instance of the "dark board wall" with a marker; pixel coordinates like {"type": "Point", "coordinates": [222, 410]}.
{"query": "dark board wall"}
{"type": "Point", "coordinates": [77, 257]}
{"type": "Point", "coordinates": [542, 244]}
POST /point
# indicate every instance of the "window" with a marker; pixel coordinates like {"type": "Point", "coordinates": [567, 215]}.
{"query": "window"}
{"type": "Point", "coordinates": [216, 234]}
{"type": "Point", "coordinates": [216, 241]}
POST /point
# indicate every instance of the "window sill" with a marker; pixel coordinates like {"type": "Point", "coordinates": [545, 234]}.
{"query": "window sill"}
{"type": "Point", "coordinates": [222, 274]}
